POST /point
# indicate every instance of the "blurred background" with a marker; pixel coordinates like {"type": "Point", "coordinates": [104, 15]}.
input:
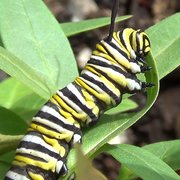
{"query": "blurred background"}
{"type": "Point", "coordinates": [162, 122]}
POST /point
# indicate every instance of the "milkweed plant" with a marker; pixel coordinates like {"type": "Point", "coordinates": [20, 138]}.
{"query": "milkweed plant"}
{"type": "Point", "coordinates": [35, 52]}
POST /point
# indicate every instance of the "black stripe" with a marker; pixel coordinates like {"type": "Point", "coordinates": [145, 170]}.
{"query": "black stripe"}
{"type": "Point", "coordinates": [47, 127]}
{"type": "Point", "coordinates": [46, 174]}
{"type": "Point", "coordinates": [66, 92]}
{"type": "Point", "coordinates": [122, 39]}
{"type": "Point", "coordinates": [38, 147]}
{"type": "Point", "coordinates": [101, 104]}
{"type": "Point", "coordinates": [102, 86]}
{"type": "Point", "coordinates": [131, 40]}
{"type": "Point", "coordinates": [18, 170]}
{"type": "Point", "coordinates": [108, 53]}
{"type": "Point", "coordinates": [115, 68]}
{"type": "Point", "coordinates": [137, 43]}
{"type": "Point", "coordinates": [61, 123]}
{"type": "Point", "coordinates": [118, 49]}
{"type": "Point", "coordinates": [36, 158]}
{"type": "Point", "coordinates": [55, 120]}
{"type": "Point", "coordinates": [61, 142]}
{"type": "Point", "coordinates": [108, 78]}
{"type": "Point", "coordinates": [7, 178]}
{"type": "Point", "coordinates": [104, 64]}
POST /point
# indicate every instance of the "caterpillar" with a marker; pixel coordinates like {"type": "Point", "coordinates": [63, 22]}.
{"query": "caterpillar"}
{"type": "Point", "coordinates": [110, 73]}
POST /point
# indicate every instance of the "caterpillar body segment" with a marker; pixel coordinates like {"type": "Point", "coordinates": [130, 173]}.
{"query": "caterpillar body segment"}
{"type": "Point", "coordinates": [110, 73]}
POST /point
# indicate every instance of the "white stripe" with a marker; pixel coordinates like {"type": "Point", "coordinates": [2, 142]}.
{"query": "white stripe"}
{"type": "Point", "coordinates": [37, 153]}
{"type": "Point", "coordinates": [54, 113]}
{"type": "Point", "coordinates": [122, 48]}
{"type": "Point", "coordinates": [76, 138]}
{"type": "Point", "coordinates": [102, 59]}
{"type": "Point", "coordinates": [16, 176]}
{"type": "Point", "coordinates": [52, 125]}
{"type": "Point", "coordinates": [112, 74]}
{"type": "Point", "coordinates": [38, 140]}
{"type": "Point", "coordinates": [94, 86]}
{"type": "Point", "coordinates": [115, 53]}
{"type": "Point", "coordinates": [117, 45]}
{"type": "Point", "coordinates": [59, 165]}
{"type": "Point", "coordinates": [79, 96]}
{"type": "Point", "coordinates": [89, 73]}
{"type": "Point", "coordinates": [106, 61]}
{"type": "Point", "coordinates": [74, 90]}
{"type": "Point", "coordinates": [128, 45]}
{"type": "Point", "coordinates": [131, 84]}
{"type": "Point", "coordinates": [71, 103]}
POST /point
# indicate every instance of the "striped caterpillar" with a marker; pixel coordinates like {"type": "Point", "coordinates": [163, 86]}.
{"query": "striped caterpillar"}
{"type": "Point", "coordinates": [110, 73]}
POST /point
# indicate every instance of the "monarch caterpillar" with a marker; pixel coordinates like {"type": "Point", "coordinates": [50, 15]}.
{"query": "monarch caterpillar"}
{"type": "Point", "coordinates": [110, 73]}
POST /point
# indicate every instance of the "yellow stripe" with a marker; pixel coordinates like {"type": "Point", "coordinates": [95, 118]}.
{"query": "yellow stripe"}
{"type": "Point", "coordinates": [123, 61]}
{"type": "Point", "coordinates": [90, 102]}
{"type": "Point", "coordinates": [106, 56]}
{"type": "Point", "coordinates": [69, 118]}
{"type": "Point", "coordinates": [51, 165]}
{"type": "Point", "coordinates": [43, 130]}
{"type": "Point", "coordinates": [17, 163]}
{"type": "Point", "coordinates": [65, 114]}
{"type": "Point", "coordinates": [104, 80]}
{"type": "Point", "coordinates": [100, 48]}
{"type": "Point", "coordinates": [55, 144]}
{"type": "Point", "coordinates": [141, 41]}
{"type": "Point", "coordinates": [111, 85]}
{"type": "Point", "coordinates": [102, 96]}
{"type": "Point", "coordinates": [35, 176]}
{"type": "Point", "coordinates": [134, 41]}
{"type": "Point", "coordinates": [52, 100]}
{"type": "Point", "coordinates": [88, 67]}
{"type": "Point", "coordinates": [115, 36]}
{"type": "Point", "coordinates": [118, 78]}
{"type": "Point", "coordinates": [82, 116]}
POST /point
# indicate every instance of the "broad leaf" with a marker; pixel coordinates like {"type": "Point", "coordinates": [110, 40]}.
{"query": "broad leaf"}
{"type": "Point", "coordinates": [5, 162]}
{"type": "Point", "coordinates": [19, 98]}
{"type": "Point", "coordinates": [165, 41]}
{"type": "Point", "coordinates": [8, 142]}
{"type": "Point", "coordinates": [142, 162]}
{"type": "Point", "coordinates": [72, 28]}
{"type": "Point", "coordinates": [10, 123]}
{"type": "Point", "coordinates": [168, 151]}
{"type": "Point", "coordinates": [30, 31]}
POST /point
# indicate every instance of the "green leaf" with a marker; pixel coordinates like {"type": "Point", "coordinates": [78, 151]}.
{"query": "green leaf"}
{"type": "Point", "coordinates": [8, 142]}
{"type": "Point", "coordinates": [165, 40]}
{"type": "Point", "coordinates": [72, 28]}
{"type": "Point", "coordinates": [143, 163]}
{"type": "Point", "coordinates": [24, 73]}
{"type": "Point", "coordinates": [168, 151]}
{"type": "Point", "coordinates": [5, 162]}
{"type": "Point", "coordinates": [19, 99]}
{"type": "Point", "coordinates": [126, 105]}
{"type": "Point", "coordinates": [112, 125]}
{"type": "Point", "coordinates": [10, 123]}
{"type": "Point", "coordinates": [30, 31]}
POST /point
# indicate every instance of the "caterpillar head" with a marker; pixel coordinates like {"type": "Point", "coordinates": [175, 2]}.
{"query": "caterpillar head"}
{"type": "Point", "coordinates": [140, 44]}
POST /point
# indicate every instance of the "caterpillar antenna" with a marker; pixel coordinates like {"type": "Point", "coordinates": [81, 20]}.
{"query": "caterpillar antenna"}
{"type": "Point", "coordinates": [113, 17]}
